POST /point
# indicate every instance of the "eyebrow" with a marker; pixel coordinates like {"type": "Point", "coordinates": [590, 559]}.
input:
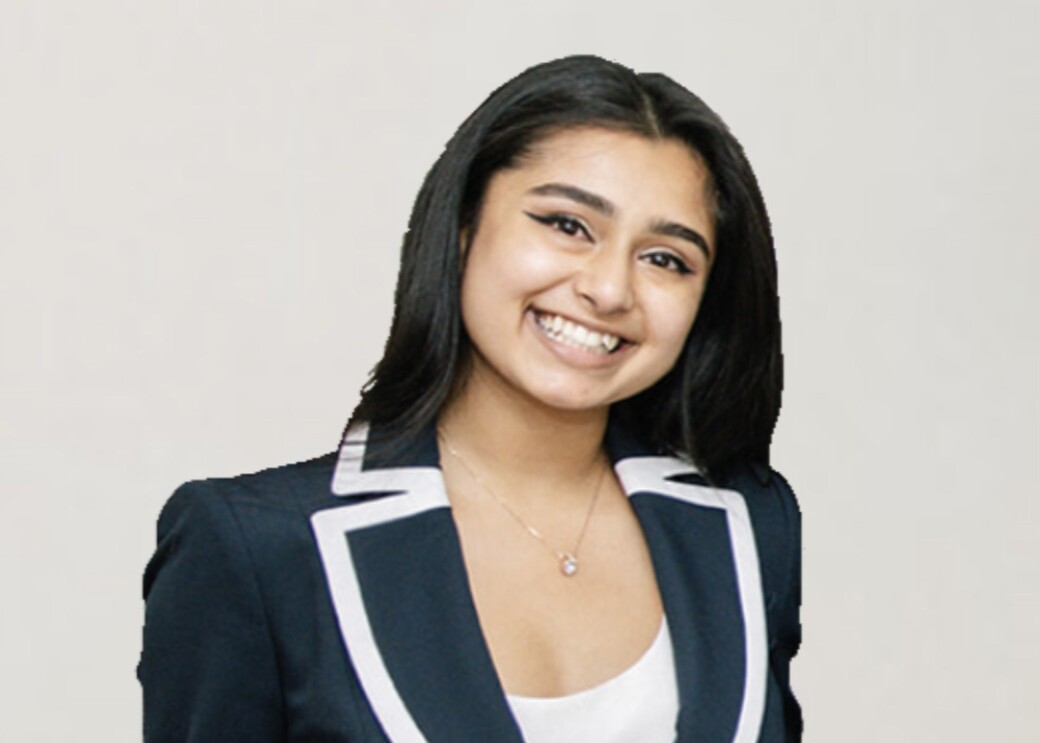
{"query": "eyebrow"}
{"type": "Point", "coordinates": [580, 195]}
{"type": "Point", "coordinates": [674, 229]}
{"type": "Point", "coordinates": [599, 204]}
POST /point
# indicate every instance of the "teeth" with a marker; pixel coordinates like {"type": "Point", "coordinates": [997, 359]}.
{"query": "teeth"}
{"type": "Point", "coordinates": [575, 335]}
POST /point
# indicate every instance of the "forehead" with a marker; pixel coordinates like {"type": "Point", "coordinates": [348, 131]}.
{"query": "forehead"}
{"type": "Point", "coordinates": [639, 174]}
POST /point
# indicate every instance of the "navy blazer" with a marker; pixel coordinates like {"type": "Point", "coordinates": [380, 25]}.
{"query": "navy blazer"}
{"type": "Point", "coordinates": [328, 601]}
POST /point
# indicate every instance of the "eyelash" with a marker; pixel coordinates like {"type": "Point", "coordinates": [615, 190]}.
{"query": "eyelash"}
{"type": "Point", "coordinates": [558, 222]}
{"type": "Point", "coordinates": [571, 227]}
{"type": "Point", "coordinates": [675, 263]}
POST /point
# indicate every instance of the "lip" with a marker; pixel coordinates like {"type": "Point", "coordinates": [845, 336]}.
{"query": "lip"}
{"type": "Point", "coordinates": [577, 356]}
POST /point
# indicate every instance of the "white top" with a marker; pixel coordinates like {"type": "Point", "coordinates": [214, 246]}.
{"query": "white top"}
{"type": "Point", "coordinates": [640, 704]}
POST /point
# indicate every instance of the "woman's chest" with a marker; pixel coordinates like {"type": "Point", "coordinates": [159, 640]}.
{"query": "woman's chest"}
{"type": "Point", "coordinates": [550, 633]}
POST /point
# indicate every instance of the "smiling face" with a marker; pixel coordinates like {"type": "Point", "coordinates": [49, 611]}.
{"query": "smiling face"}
{"type": "Point", "coordinates": [586, 268]}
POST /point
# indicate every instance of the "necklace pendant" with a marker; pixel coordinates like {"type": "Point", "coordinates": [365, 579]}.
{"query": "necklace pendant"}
{"type": "Point", "coordinates": [568, 565]}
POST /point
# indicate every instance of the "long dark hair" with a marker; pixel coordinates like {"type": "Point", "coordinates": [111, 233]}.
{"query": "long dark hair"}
{"type": "Point", "coordinates": [719, 403]}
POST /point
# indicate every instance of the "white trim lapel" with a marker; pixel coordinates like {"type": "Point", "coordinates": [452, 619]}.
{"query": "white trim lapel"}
{"type": "Point", "coordinates": [398, 583]}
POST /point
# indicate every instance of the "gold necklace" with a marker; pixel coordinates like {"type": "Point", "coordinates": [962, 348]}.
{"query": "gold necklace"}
{"type": "Point", "coordinates": [568, 561]}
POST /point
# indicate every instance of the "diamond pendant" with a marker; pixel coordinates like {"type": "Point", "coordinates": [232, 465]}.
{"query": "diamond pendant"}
{"type": "Point", "coordinates": [568, 565]}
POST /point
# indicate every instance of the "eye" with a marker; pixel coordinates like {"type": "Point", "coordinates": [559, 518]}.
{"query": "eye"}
{"type": "Point", "coordinates": [567, 225]}
{"type": "Point", "coordinates": [668, 261]}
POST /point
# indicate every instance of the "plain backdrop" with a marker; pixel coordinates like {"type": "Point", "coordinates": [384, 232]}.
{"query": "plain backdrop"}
{"type": "Point", "coordinates": [201, 205]}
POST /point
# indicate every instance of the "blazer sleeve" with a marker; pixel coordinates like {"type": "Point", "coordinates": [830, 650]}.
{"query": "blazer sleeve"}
{"type": "Point", "coordinates": [208, 667]}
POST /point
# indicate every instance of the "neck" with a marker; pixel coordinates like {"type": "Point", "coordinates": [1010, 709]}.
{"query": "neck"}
{"type": "Point", "coordinates": [523, 440]}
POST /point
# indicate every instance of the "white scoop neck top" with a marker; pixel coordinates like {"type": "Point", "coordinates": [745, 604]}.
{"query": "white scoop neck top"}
{"type": "Point", "coordinates": [639, 704]}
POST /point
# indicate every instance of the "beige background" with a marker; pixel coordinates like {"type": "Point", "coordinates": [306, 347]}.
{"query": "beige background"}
{"type": "Point", "coordinates": [200, 210]}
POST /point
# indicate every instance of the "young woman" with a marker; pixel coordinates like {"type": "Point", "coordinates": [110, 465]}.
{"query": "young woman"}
{"type": "Point", "coordinates": [551, 518]}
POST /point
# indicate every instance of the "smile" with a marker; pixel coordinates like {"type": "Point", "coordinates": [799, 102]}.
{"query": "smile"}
{"type": "Point", "coordinates": [576, 335]}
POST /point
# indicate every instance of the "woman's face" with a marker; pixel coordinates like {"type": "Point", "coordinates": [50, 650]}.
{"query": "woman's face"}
{"type": "Point", "coordinates": [586, 268]}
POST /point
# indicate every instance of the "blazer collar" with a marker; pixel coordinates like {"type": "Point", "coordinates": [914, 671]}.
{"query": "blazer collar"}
{"type": "Point", "coordinates": [391, 554]}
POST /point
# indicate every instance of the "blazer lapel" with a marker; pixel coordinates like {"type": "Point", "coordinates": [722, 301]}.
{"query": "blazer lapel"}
{"type": "Point", "coordinates": [398, 582]}
{"type": "Point", "coordinates": [706, 563]}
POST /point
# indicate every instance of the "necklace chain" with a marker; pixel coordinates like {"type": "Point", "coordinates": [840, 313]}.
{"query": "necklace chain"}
{"type": "Point", "coordinates": [568, 561]}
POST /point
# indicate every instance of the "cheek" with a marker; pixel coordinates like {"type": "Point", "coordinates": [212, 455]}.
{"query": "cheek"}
{"type": "Point", "coordinates": [674, 320]}
{"type": "Point", "coordinates": [508, 267]}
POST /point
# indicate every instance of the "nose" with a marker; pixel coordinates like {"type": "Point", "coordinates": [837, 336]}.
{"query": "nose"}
{"type": "Point", "coordinates": [604, 282]}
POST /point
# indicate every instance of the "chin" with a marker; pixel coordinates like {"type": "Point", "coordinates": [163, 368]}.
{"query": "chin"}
{"type": "Point", "coordinates": [575, 406]}
{"type": "Point", "coordinates": [567, 400]}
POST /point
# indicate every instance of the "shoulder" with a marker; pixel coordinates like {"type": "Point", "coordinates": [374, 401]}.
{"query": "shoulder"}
{"type": "Point", "coordinates": [770, 499]}
{"type": "Point", "coordinates": [286, 486]}
{"type": "Point", "coordinates": [222, 519]}
{"type": "Point", "coordinates": [776, 520]}
{"type": "Point", "coordinates": [228, 550]}
{"type": "Point", "coordinates": [291, 488]}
